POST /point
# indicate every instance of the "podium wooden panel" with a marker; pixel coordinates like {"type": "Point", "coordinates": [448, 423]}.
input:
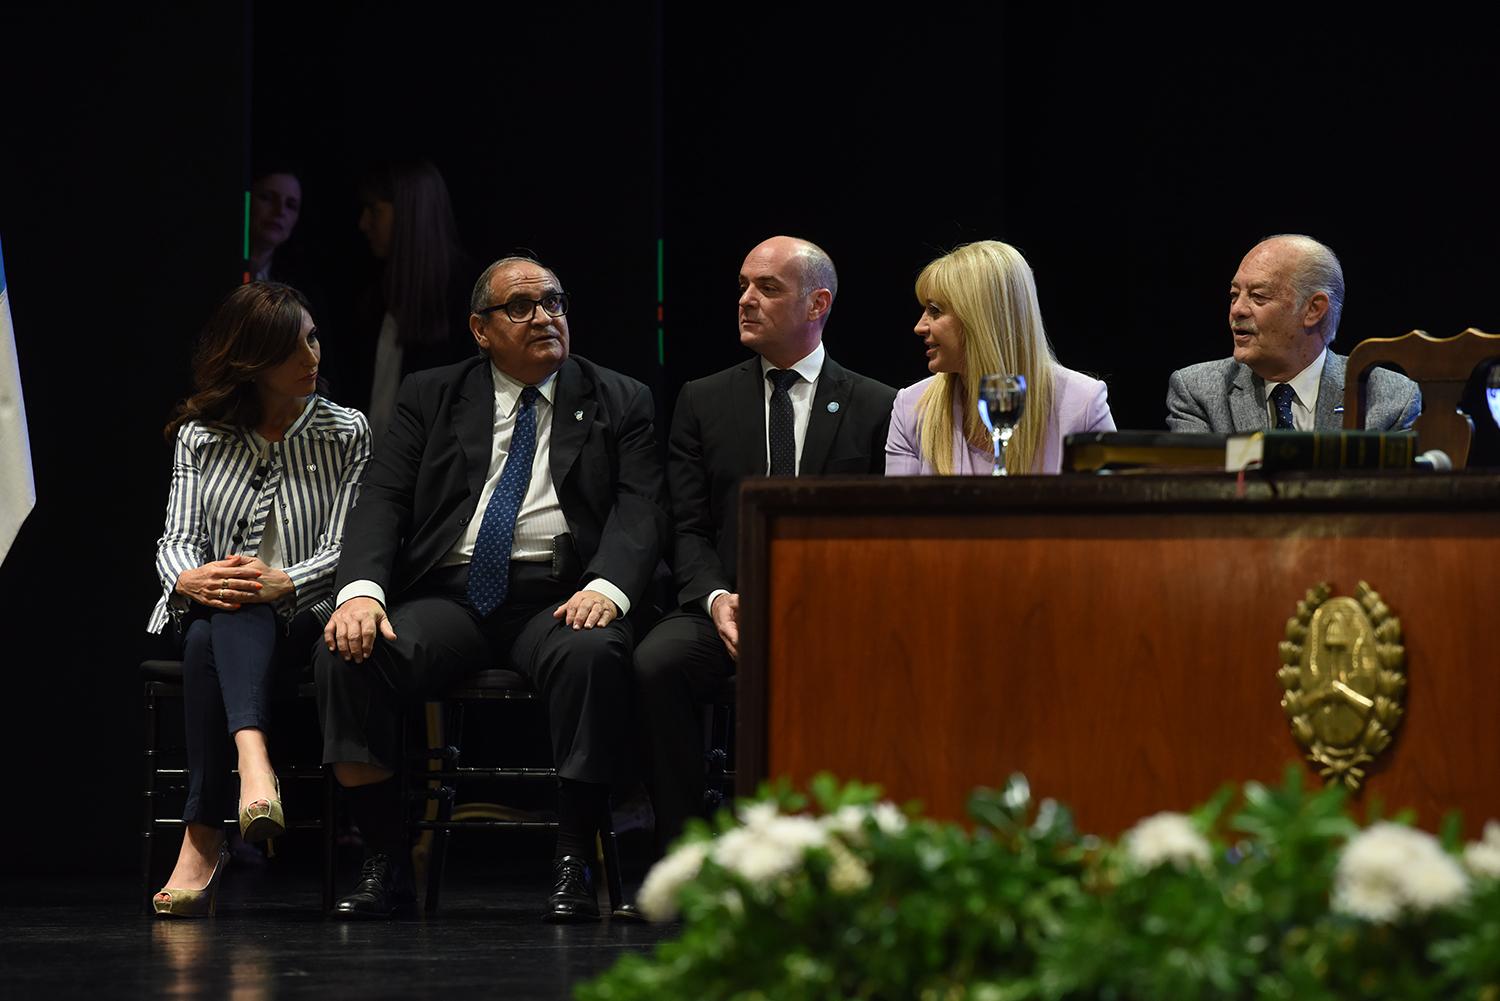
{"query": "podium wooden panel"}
{"type": "Point", "coordinates": [1115, 638]}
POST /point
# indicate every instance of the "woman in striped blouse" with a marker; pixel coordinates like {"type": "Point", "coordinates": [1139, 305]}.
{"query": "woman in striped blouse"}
{"type": "Point", "coordinates": [263, 473]}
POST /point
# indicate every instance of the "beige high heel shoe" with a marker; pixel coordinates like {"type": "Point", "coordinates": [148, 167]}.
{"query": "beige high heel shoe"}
{"type": "Point", "coordinates": [184, 903]}
{"type": "Point", "coordinates": [263, 819]}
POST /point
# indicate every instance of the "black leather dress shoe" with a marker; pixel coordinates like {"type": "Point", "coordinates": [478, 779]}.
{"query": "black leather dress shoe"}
{"type": "Point", "coordinates": [383, 891]}
{"type": "Point", "coordinates": [573, 898]}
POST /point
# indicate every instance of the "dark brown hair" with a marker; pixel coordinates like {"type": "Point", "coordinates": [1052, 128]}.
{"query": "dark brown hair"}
{"type": "Point", "coordinates": [255, 328]}
{"type": "Point", "coordinates": [424, 248]}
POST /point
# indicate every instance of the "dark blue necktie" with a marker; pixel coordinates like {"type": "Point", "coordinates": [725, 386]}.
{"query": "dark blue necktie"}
{"type": "Point", "coordinates": [489, 568]}
{"type": "Point", "coordinates": [1281, 398]}
{"type": "Point", "coordinates": [782, 433]}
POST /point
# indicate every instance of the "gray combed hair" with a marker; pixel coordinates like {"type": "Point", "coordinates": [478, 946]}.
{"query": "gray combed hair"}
{"type": "Point", "coordinates": [1318, 271]}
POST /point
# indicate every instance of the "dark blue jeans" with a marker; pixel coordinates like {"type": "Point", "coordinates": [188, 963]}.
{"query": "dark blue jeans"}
{"type": "Point", "coordinates": [229, 661]}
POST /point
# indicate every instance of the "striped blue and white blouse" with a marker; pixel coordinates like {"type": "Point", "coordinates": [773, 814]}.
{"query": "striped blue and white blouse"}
{"type": "Point", "coordinates": [224, 490]}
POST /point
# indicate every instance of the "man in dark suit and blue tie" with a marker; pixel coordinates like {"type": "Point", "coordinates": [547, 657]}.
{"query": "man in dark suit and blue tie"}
{"type": "Point", "coordinates": [511, 517]}
{"type": "Point", "coordinates": [789, 411]}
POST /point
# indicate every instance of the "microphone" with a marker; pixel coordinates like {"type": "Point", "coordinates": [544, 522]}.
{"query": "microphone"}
{"type": "Point", "coordinates": [1434, 460]}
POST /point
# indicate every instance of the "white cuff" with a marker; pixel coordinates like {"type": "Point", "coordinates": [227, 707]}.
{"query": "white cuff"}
{"type": "Point", "coordinates": [601, 586]}
{"type": "Point", "coordinates": [360, 589]}
{"type": "Point", "coordinates": [708, 603]}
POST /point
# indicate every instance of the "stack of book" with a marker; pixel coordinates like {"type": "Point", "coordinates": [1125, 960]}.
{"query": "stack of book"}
{"type": "Point", "coordinates": [1161, 451]}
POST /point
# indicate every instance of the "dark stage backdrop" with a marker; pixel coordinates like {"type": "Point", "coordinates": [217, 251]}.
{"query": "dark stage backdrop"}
{"type": "Point", "coordinates": [1133, 158]}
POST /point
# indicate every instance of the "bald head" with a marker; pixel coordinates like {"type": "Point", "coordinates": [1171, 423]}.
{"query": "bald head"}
{"type": "Point", "coordinates": [787, 287]}
{"type": "Point", "coordinates": [810, 262]}
{"type": "Point", "coordinates": [1309, 267]}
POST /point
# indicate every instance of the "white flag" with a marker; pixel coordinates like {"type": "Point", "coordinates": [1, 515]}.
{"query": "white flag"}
{"type": "Point", "coordinates": [17, 487]}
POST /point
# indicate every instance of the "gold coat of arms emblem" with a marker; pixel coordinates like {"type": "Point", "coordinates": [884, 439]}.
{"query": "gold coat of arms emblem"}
{"type": "Point", "coordinates": [1343, 668]}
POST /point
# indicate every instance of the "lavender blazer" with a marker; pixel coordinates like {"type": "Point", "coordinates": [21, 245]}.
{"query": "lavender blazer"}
{"type": "Point", "coordinates": [1079, 404]}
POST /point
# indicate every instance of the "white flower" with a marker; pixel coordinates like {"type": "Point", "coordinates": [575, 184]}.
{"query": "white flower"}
{"type": "Point", "coordinates": [847, 874]}
{"type": "Point", "coordinates": [658, 896]}
{"type": "Point", "coordinates": [772, 846]}
{"type": "Point", "coordinates": [1483, 857]}
{"type": "Point", "coordinates": [758, 814]}
{"type": "Point", "coordinates": [889, 818]}
{"type": "Point", "coordinates": [1388, 869]}
{"type": "Point", "coordinates": [1373, 899]}
{"type": "Point", "coordinates": [846, 820]}
{"type": "Point", "coordinates": [1167, 837]}
{"type": "Point", "coordinates": [850, 820]}
{"type": "Point", "coordinates": [1435, 882]}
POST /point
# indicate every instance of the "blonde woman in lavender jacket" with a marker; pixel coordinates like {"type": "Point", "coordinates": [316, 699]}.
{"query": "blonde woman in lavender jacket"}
{"type": "Point", "coordinates": [980, 316]}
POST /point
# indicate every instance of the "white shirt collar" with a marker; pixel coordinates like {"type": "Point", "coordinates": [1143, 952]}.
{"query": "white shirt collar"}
{"type": "Point", "coordinates": [508, 390]}
{"type": "Point", "coordinates": [809, 367]}
{"type": "Point", "coordinates": [1305, 383]}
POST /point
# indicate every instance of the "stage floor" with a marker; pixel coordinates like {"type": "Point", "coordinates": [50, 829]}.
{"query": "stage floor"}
{"type": "Point", "coordinates": [69, 938]}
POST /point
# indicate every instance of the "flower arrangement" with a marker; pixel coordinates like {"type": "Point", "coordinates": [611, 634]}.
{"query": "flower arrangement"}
{"type": "Point", "coordinates": [1263, 892]}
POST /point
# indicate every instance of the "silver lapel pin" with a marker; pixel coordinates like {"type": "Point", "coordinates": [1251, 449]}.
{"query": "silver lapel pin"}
{"type": "Point", "coordinates": [833, 406]}
{"type": "Point", "coordinates": [578, 415]}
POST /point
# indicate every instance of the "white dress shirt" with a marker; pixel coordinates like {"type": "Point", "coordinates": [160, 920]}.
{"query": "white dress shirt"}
{"type": "Point", "coordinates": [1305, 395]}
{"type": "Point", "coordinates": [270, 540]}
{"type": "Point", "coordinates": [801, 393]}
{"type": "Point", "coordinates": [541, 516]}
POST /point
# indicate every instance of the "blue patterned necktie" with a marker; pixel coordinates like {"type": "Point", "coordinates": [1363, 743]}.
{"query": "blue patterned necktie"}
{"type": "Point", "coordinates": [1282, 397]}
{"type": "Point", "coordinates": [489, 568]}
{"type": "Point", "coordinates": [783, 435]}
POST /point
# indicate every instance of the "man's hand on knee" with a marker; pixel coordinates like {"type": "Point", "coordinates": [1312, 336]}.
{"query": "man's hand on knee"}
{"type": "Point", "coordinates": [726, 615]}
{"type": "Point", "coordinates": [351, 631]}
{"type": "Point", "coordinates": [587, 609]}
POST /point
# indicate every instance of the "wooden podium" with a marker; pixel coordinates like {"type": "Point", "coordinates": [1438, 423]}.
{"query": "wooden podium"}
{"type": "Point", "coordinates": [1113, 637]}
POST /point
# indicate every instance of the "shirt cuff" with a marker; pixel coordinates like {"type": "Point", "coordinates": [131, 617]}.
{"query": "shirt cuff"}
{"type": "Point", "coordinates": [601, 586]}
{"type": "Point", "coordinates": [708, 603]}
{"type": "Point", "coordinates": [360, 589]}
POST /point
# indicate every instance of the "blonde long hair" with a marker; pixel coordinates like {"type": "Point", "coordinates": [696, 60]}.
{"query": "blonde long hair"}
{"type": "Point", "coordinates": [987, 286]}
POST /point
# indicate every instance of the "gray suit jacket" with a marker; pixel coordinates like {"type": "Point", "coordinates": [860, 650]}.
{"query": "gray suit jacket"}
{"type": "Point", "coordinates": [1225, 397]}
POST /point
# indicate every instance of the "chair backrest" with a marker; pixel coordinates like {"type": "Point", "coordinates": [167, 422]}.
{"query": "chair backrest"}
{"type": "Point", "coordinates": [1441, 367]}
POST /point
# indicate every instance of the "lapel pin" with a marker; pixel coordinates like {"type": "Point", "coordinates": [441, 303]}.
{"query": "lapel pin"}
{"type": "Point", "coordinates": [833, 406]}
{"type": "Point", "coordinates": [311, 468]}
{"type": "Point", "coordinates": [578, 415]}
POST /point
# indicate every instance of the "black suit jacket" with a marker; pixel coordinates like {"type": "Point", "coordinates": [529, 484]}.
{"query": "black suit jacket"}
{"type": "Point", "coordinates": [719, 438]}
{"type": "Point", "coordinates": [424, 481]}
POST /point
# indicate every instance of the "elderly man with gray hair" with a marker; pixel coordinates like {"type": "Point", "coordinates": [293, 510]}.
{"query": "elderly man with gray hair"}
{"type": "Point", "coordinates": [1284, 306]}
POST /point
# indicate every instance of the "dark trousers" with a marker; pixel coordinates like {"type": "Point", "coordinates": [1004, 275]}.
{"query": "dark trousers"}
{"type": "Point", "coordinates": [583, 675]}
{"type": "Point", "coordinates": [681, 665]}
{"type": "Point", "coordinates": [230, 661]}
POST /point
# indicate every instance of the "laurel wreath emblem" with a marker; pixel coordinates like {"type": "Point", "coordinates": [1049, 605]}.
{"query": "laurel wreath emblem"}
{"type": "Point", "coordinates": [1343, 716]}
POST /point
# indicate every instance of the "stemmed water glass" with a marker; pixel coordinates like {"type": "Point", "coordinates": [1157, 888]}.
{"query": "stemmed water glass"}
{"type": "Point", "coordinates": [1002, 399]}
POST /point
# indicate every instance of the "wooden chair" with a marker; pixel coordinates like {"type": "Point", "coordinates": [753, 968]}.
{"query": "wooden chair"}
{"type": "Point", "coordinates": [437, 773]}
{"type": "Point", "coordinates": [1441, 367]}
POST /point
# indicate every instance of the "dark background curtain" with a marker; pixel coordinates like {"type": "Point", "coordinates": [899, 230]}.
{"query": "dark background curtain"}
{"type": "Point", "coordinates": [1133, 156]}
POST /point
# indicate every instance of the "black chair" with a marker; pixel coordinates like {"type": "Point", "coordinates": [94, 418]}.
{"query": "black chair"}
{"type": "Point", "coordinates": [166, 778]}
{"type": "Point", "coordinates": [718, 751]}
{"type": "Point", "coordinates": [438, 771]}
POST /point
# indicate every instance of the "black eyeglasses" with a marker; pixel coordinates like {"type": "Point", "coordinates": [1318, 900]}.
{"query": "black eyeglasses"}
{"type": "Point", "coordinates": [522, 309]}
